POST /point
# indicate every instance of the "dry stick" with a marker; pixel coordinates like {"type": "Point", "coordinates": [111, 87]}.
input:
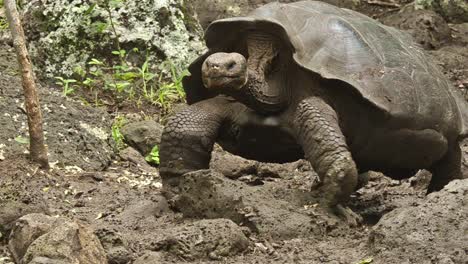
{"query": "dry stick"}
{"type": "Point", "coordinates": [36, 135]}
{"type": "Point", "coordinates": [387, 4]}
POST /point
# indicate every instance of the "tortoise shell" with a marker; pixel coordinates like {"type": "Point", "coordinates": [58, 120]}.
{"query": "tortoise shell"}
{"type": "Point", "coordinates": [382, 63]}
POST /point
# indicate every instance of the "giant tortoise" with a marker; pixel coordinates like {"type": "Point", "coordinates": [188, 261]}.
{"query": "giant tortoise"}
{"type": "Point", "coordinates": [308, 79]}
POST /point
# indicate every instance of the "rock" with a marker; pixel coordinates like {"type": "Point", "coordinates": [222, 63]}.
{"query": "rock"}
{"type": "Point", "coordinates": [27, 229]}
{"type": "Point", "coordinates": [17, 198]}
{"type": "Point", "coordinates": [453, 60]}
{"type": "Point", "coordinates": [254, 207]}
{"type": "Point", "coordinates": [10, 211]}
{"type": "Point", "coordinates": [434, 229]}
{"type": "Point", "coordinates": [64, 242]}
{"type": "Point", "coordinates": [230, 165]}
{"type": "Point", "coordinates": [118, 255]}
{"type": "Point", "coordinates": [132, 155]}
{"type": "Point", "coordinates": [210, 10]}
{"type": "Point", "coordinates": [114, 244]}
{"type": "Point", "coordinates": [455, 11]}
{"type": "Point", "coordinates": [142, 135]}
{"type": "Point", "coordinates": [150, 257]}
{"type": "Point", "coordinates": [428, 28]}
{"type": "Point", "coordinates": [44, 260]}
{"type": "Point", "coordinates": [55, 30]}
{"type": "Point", "coordinates": [144, 209]}
{"type": "Point", "coordinates": [205, 239]}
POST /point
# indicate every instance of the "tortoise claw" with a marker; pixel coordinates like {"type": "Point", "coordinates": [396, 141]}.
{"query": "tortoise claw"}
{"type": "Point", "coordinates": [353, 219]}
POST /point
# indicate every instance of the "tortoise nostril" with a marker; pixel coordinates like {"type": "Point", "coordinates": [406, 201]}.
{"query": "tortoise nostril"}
{"type": "Point", "coordinates": [231, 65]}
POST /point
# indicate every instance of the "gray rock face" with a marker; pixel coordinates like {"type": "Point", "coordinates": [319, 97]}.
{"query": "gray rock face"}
{"type": "Point", "coordinates": [205, 239]}
{"type": "Point", "coordinates": [142, 135]}
{"type": "Point", "coordinates": [64, 34]}
{"type": "Point", "coordinates": [434, 229]}
{"type": "Point", "coordinates": [43, 239]}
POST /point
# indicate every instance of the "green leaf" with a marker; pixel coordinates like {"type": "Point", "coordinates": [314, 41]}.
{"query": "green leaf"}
{"type": "Point", "coordinates": [95, 62]}
{"type": "Point", "coordinates": [153, 156]}
{"type": "Point", "coordinates": [366, 261]}
{"type": "Point", "coordinates": [99, 26]}
{"type": "Point", "coordinates": [128, 76]}
{"type": "Point", "coordinates": [88, 81]}
{"type": "Point", "coordinates": [90, 9]}
{"type": "Point", "coordinates": [119, 52]}
{"type": "Point", "coordinates": [22, 140]}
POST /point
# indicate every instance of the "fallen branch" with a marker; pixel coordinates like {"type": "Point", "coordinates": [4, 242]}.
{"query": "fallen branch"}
{"type": "Point", "coordinates": [381, 3]}
{"type": "Point", "coordinates": [37, 147]}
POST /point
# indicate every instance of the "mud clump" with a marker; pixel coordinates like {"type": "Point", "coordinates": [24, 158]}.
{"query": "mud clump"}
{"type": "Point", "coordinates": [205, 239]}
{"type": "Point", "coordinates": [258, 208]}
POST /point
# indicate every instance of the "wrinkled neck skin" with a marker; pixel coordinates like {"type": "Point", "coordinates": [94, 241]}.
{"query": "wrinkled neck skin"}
{"type": "Point", "coordinates": [257, 94]}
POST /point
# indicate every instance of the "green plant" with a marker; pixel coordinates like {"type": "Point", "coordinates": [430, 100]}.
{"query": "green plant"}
{"type": "Point", "coordinates": [3, 21]}
{"type": "Point", "coordinates": [118, 72]}
{"type": "Point", "coordinates": [117, 135]}
{"type": "Point", "coordinates": [3, 24]}
{"type": "Point", "coordinates": [173, 91]}
{"type": "Point", "coordinates": [153, 156]}
{"type": "Point", "coordinates": [22, 140]}
{"type": "Point", "coordinates": [65, 83]}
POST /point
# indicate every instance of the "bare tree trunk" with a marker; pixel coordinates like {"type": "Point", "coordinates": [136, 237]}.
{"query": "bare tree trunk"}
{"type": "Point", "coordinates": [36, 135]}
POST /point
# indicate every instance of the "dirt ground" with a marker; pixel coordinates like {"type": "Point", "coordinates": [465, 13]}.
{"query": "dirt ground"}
{"type": "Point", "coordinates": [248, 212]}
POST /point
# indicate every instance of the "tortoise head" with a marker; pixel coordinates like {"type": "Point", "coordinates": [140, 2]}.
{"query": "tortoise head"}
{"type": "Point", "coordinates": [225, 72]}
{"type": "Point", "coordinates": [247, 79]}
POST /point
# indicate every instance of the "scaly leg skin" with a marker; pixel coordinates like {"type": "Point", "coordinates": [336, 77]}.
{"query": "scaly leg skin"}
{"type": "Point", "coordinates": [187, 141]}
{"type": "Point", "coordinates": [447, 169]}
{"type": "Point", "coordinates": [317, 130]}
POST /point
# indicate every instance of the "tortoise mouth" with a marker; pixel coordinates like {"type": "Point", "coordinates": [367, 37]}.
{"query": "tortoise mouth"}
{"type": "Point", "coordinates": [224, 83]}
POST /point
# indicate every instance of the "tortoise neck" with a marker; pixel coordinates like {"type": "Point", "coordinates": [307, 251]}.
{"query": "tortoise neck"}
{"type": "Point", "coordinates": [262, 97]}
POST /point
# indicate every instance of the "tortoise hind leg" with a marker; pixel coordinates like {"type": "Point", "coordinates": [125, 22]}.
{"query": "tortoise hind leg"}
{"type": "Point", "coordinates": [446, 169]}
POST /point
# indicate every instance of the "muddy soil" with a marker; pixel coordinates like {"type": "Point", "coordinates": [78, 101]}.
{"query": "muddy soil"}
{"type": "Point", "coordinates": [249, 212]}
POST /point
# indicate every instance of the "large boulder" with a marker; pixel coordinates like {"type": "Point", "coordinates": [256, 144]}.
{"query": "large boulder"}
{"type": "Point", "coordinates": [42, 239]}
{"type": "Point", "coordinates": [65, 34]}
{"type": "Point", "coordinates": [210, 10]}
{"type": "Point", "coordinates": [142, 135]}
{"type": "Point", "coordinates": [453, 10]}
{"type": "Point", "coordinates": [427, 27]}
{"type": "Point", "coordinates": [433, 231]}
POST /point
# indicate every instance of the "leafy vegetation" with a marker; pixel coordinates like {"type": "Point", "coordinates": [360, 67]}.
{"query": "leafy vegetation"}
{"type": "Point", "coordinates": [118, 73]}
{"type": "Point", "coordinates": [3, 21]}
{"type": "Point", "coordinates": [153, 156]}
{"type": "Point", "coordinates": [117, 135]}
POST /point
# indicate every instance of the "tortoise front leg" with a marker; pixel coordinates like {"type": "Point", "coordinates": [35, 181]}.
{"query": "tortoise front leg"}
{"type": "Point", "coordinates": [318, 132]}
{"type": "Point", "coordinates": [188, 139]}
